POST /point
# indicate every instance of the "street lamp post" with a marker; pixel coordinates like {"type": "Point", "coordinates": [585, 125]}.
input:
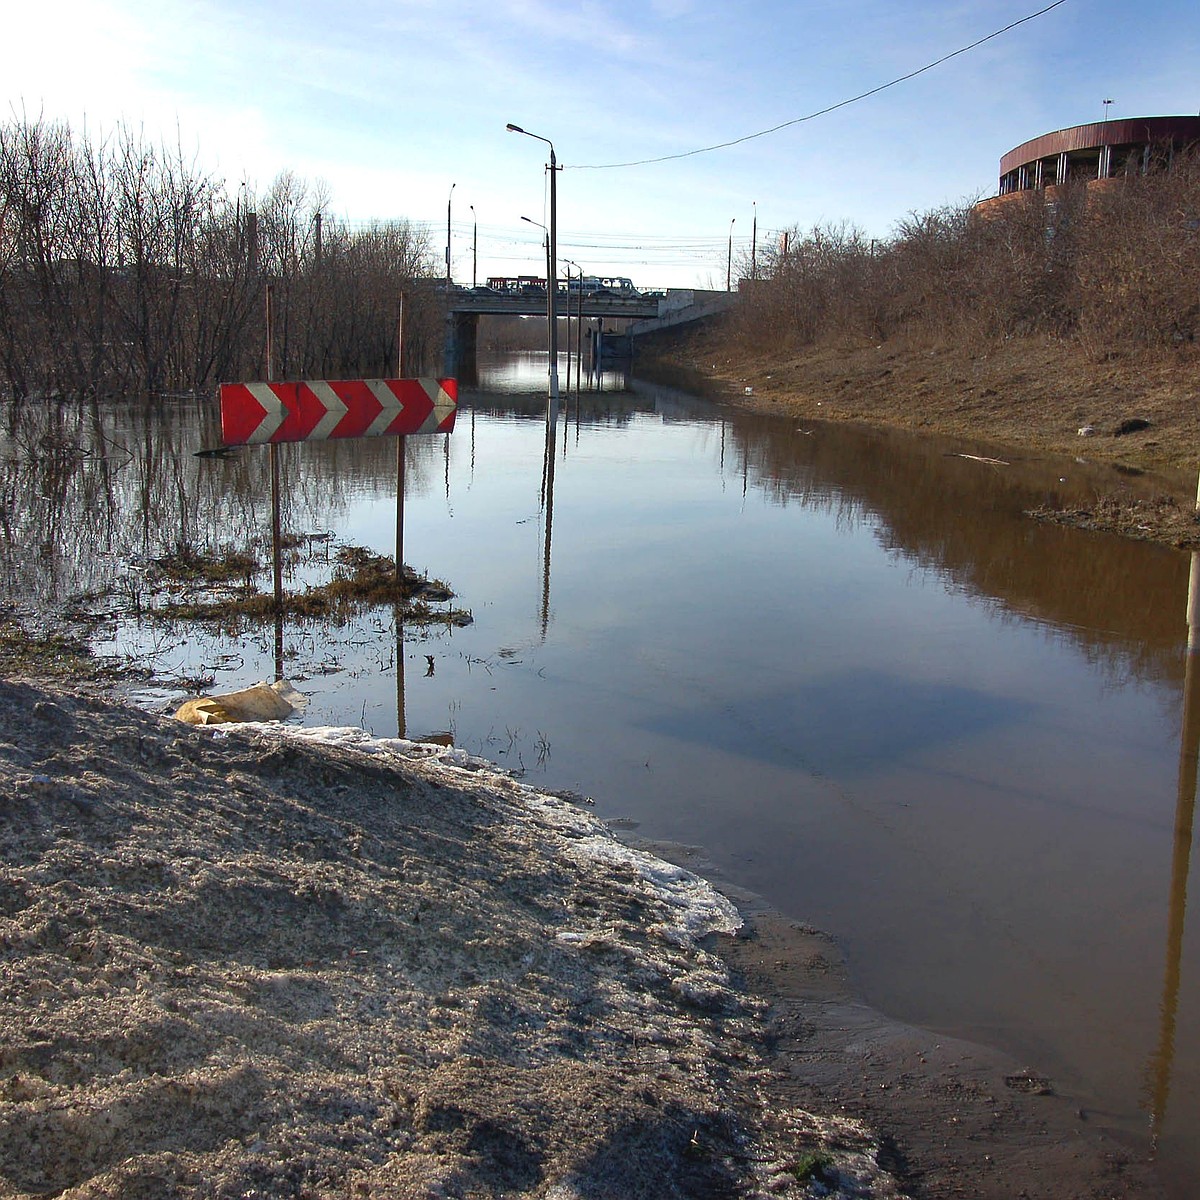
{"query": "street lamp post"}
{"type": "Point", "coordinates": [449, 201]}
{"type": "Point", "coordinates": [578, 332]}
{"type": "Point", "coordinates": [551, 276]}
{"type": "Point", "coordinates": [474, 246]}
{"type": "Point", "coordinates": [729, 260]}
{"type": "Point", "coordinates": [754, 243]}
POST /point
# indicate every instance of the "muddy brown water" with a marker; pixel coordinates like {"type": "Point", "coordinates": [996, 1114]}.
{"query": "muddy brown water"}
{"type": "Point", "coordinates": [840, 660]}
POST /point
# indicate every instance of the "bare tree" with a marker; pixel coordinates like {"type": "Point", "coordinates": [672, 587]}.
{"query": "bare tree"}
{"type": "Point", "coordinates": [124, 267]}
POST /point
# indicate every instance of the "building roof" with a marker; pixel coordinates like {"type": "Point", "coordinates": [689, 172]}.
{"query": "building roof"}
{"type": "Point", "coordinates": [1125, 132]}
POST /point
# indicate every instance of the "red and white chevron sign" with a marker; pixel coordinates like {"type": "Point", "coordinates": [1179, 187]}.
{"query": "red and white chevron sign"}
{"type": "Point", "coordinates": [311, 409]}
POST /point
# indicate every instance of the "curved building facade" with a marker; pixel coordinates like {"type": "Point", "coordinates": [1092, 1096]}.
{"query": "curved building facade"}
{"type": "Point", "coordinates": [1104, 150]}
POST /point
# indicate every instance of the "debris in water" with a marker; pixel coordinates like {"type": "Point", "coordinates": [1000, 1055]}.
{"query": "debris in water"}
{"type": "Point", "coordinates": [996, 462]}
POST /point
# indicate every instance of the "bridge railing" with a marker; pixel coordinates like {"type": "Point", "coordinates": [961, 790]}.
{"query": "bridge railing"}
{"type": "Point", "coordinates": [533, 304]}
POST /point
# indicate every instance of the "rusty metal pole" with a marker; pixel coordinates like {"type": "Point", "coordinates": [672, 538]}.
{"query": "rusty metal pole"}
{"type": "Point", "coordinates": [400, 450]}
{"type": "Point", "coordinates": [401, 707]}
{"type": "Point", "coordinates": [276, 517]}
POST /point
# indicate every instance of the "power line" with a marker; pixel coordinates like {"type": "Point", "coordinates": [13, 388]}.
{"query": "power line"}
{"type": "Point", "coordinates": [749, 137]}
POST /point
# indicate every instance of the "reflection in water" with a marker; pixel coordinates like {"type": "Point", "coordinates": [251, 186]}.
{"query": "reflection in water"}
{"type": "Point", "coordinates": [1185, 805]}
{"type": "Point", "coordinates": [956, 517]}
{"type": "Point", "coordinates": [548, 512]}
{"type": "Point", "coordinates": [401, 713]}
{"type": "Point", "coordinates": [91, 496]}
{"type": "Point", "coordinates": [847, 725]}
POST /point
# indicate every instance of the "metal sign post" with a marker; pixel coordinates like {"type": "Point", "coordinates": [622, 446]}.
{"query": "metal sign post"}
{"type": "Point", "coordinates": [400, 451]}
{"type": "Point", "coordinates": [276, 517]}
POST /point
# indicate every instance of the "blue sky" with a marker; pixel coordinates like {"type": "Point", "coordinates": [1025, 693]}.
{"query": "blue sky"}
{"type": "Point", "coordinates": [391, 103]}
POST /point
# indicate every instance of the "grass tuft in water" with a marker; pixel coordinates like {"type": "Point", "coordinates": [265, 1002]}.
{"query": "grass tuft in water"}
{"type": "Point", "coordinates": [361, 579]}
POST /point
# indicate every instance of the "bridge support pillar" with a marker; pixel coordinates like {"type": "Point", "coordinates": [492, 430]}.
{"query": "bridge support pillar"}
{"type": "Point", "coordinates": [462, 337]}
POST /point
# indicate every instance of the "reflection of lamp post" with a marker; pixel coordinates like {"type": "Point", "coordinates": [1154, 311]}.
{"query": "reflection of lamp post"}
{"type": "Point", "coordinates": [474, 244]}
{"type": "Point", "coordinates": [551, 278]}
{"type": "Point", "coordinates": [729, 260]}
{"type": "Point", "coordinates": [449, 199]}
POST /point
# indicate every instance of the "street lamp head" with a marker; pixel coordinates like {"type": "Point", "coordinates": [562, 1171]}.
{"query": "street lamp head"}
{"type": "Point", "coordinates": [536, 136]}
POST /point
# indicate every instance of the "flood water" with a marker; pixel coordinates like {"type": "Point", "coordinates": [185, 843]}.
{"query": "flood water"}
{"type": "Point", "coordinates": [839, 660]}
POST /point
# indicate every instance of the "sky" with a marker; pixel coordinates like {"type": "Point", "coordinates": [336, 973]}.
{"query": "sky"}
{"type": "Point", "coordinates": [399, 108]}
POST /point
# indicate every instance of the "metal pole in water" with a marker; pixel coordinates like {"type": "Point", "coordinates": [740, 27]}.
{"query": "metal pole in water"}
{"type": "Point", "coordinates": [568, 331]}
{"type": "Point", "coordinates": [552, 285]}
{"type": "Point", "coordinates": [578, 342]}
{"type": "Point", "coordinates": [401, 715]}
{"type": "Point", "coordinates": [276, 518]}
{"type": "Point", "coordinates": [400, 450]}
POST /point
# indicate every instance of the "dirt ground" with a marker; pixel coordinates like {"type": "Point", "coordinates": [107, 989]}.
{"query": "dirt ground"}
{"type": "Point", "coordinates": [269, 961]}
{"type": "Point", "coordinates": [1138, 412]}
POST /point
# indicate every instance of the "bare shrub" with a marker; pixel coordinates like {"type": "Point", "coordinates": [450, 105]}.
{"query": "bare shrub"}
{"type": "Point", "coordinates": [812, 285]}
{"type": "Point", "coordinates": [1139, 267]}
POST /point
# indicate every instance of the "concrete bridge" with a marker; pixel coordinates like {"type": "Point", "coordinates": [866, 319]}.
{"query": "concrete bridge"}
{"type": "Point", "coordinates": [484, 302]}
{"type": "Point", "coordinates": [643, 314]}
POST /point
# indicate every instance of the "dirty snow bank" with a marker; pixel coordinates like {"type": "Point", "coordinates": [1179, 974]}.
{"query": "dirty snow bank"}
{"type": "Point", "coordinates": [266, 961]}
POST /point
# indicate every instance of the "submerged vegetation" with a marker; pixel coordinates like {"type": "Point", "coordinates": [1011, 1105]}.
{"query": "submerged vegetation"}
{"type": "Point", "coordinates": [45, 655]}
{"type": "Point", "coordinates": [361, 579]}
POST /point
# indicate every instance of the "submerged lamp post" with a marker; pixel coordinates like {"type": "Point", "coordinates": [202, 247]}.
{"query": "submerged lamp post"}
{"type": "Point", "coordinates": [551, 274]}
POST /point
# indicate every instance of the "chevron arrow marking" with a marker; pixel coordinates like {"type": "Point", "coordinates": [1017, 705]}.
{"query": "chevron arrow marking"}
{"type": "Point", "coordinates": [316, 409]}
{"type": "Point", "coordinates": [335, 409]}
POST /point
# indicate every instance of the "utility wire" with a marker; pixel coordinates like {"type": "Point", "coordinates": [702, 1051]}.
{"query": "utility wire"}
{"type": "Point", "coordinates": [749, 137]}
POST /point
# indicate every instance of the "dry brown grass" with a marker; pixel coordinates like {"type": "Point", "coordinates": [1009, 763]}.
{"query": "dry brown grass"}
{"type": "Point", "coordinates": [1029, 392]}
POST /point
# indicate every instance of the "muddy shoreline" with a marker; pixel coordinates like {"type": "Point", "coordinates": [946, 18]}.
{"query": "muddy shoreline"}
{"type": "Point", "coordinates": [244, 962]}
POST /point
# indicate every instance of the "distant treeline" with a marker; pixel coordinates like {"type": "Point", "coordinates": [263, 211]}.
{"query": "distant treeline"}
{"type": "Point", "coordinates": [126, 268]}
{"type": "Point", "coordinates": [1111, 266]}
